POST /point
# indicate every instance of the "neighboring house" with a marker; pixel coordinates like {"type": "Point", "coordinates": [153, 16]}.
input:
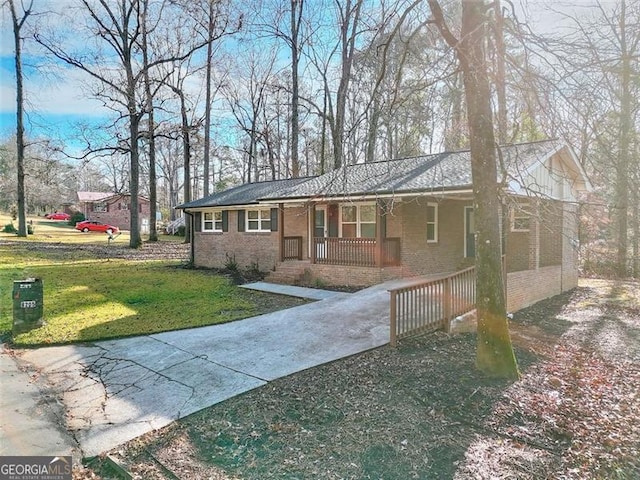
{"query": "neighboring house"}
{"type": "Point", "coordinates": [366, 223]}
{"type": "Point", "coordinates": [113, 208]}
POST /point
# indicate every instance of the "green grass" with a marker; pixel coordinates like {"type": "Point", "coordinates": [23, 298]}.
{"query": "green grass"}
{"type": "Point", "coordinates": [57, 231]}
{"type": "Point", "coordinates": [88, 299]}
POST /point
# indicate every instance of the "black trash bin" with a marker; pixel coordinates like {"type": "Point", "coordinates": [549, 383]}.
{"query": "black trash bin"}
{"type": "Point", "coordinates": [27, 305]}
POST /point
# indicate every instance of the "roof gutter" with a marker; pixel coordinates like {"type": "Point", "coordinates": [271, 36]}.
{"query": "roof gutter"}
{"type": "Point", "coordinates": [364, 197]}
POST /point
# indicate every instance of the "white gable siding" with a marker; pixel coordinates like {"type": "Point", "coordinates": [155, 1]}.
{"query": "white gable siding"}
{"type": "Point", "coordinates": [551, 179]}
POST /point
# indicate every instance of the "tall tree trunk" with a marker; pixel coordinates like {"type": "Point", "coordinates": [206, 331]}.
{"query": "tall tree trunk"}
{"type": "Point", "coordinates": [186, 152]}
{"type": "Point", "coordinates": [135, 240]}
{"type": "Point", "coordinates": [17, 27]}
{"type": "Point", "coordinates": [454, 136]}
{"type": "Point", "coordinates": [622, 167]}
{"type": "Point", "coordinates": [501, 87]}
{"type": "Point", "coordinates": [323, 137]}
{"type": "Point", "coordinates": [348, 32]}
{"type": "Point", "coordinates": [296, 15]}
{"type": "Point", "coordinates": [153, 193]}
{"type": "Point", "coordinates": [207, 105]}
{"type": "Point", "coordinates": [372, 130]}
{"type": "Point", "coordinates": [495, 355]}
{"type": "Point", "coordinates": [635, 227]}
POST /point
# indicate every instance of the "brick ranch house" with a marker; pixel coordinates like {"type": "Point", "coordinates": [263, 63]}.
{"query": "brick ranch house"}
{"type": "Point", "coordinates": [367, 223]}
{"type": "Point", "coordinates": [113, 208]}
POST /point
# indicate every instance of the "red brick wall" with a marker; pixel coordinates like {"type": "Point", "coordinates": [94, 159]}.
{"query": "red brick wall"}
{"type": "Point", "coordinates": [352, 276]}
{"type": "Point", "coordinates": [406, 220]}
{"type": "Point", "coordinates": [296, 224]}
{"type": "Point", "coordinates": [420, 257]}
{"type": "Point", "coordinates": [249, 248]}
{"type": "Point", "coordinates": [527, 287]}
{"type": "Point", "coordinates": [551, 233]}
{"type": "Point", "coordinates": [117, 215]}
{"type": "Point", "coordinates": [517, 250]}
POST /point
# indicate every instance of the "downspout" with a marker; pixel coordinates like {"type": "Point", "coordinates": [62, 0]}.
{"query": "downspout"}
{"type": "Point", "coordinates": [192, 256]}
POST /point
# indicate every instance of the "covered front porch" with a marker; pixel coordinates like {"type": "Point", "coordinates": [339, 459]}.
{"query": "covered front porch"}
{"type": "Point", "coordinates": [344, 235]}
{"type": "Point", "coordinates": [350, 251]}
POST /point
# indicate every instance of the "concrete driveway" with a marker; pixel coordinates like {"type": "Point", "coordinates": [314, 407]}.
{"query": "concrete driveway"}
{"type": "Point", "coordinates": [113, 391]}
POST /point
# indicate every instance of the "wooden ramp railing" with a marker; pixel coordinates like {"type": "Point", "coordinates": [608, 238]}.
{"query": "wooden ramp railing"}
{"type": "Point", "coordinates": [431, 304]}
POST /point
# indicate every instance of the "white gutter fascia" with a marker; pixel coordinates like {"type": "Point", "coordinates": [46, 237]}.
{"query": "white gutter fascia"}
{"type": "Point", "coordinates": [364, 198]}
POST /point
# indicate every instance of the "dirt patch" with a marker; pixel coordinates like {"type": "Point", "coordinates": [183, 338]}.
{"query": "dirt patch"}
{"type": "Point", "coordinates": [422, 410]}
{"type": "Point", "coordinates": [148, 250]}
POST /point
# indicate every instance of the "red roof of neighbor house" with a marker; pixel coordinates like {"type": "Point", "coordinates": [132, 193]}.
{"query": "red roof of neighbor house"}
{"type": "Point", "coordinates": [94, 196]}
{"type": "Point", "coordinates": [88, 197]}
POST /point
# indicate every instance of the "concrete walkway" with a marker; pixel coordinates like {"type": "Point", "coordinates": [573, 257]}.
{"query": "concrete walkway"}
{"type": "Point", "coordinates": [114, 391]}
{"type": "Point", "coordinates": [30, 422]}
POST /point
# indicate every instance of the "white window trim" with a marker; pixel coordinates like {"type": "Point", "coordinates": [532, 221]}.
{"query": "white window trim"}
{"type": "Point", "coordinates": [260, 219]}
{"type": "Point", "coordinates": [100, 207]}
{"type": "Point", "coordinates": [434, 223]}
{"type": "Point", "coordinates": [466, 231]}
{"type": "Point", "coordinates": [521, 211]}
{"type": "Point", "coordinates": [358, 221]}
{"type": "Point", "coordinates": [213, 221]}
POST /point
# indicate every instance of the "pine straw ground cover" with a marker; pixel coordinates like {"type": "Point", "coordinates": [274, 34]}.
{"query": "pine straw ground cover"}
{"type": "Point", "coordinates": [421, 411]}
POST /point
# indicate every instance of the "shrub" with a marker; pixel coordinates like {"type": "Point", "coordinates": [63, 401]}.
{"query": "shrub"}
{"type": "Point", "coordinates": [230, 263]}
{"type": "Point", "coordinates": [180, 232]}
{"type": "Point", "coordinates": [9, 228]}
{"type": "Point", "coordinates": [76, 217]}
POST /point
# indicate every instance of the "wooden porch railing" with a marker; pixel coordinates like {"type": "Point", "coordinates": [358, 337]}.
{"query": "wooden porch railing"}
{"type": "Point", "coordinates": [360, 252]}
{"type": "Point", "coordinates": [432, 304]}
{"type": "Point", "coordinates": [291, 248]}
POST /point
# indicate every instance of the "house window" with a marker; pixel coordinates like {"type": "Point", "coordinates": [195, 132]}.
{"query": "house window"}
{"type": "Point", "coordinates": [258, 220]}
{"type": "Point", "coordinates": [100, 207]}
{"type": "Point", "coordinates": [358, 221]}
{"type": "Point", "coordinates": [212, 221]}
{"type": "Point", "coordinates": [432, 222]}
{"type": "Point", "coordinates": [520, 219]}
{"type": "Point", "coordinates": [123, 206]}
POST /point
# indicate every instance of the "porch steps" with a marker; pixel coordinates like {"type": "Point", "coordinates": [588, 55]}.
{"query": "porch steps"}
{"type": "Point", "coordinates": [289, 272]}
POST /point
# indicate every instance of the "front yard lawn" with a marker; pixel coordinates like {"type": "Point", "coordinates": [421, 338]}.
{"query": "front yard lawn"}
{"type": "Point", "coordinates": [87, 299]}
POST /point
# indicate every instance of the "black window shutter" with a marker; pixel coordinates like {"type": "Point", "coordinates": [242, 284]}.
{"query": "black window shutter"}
{"type": "Point", "coordinates": [225, 220]}
{"type": "Point", "coordinates": [274, 219]}
{"type": "Point", "coordinates": [197, 219]}
{"type": "Point", "coordinates": [241, 220]}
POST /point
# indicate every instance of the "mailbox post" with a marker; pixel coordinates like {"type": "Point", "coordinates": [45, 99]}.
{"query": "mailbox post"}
{"type": "Point", "coordinates": [27, 305]}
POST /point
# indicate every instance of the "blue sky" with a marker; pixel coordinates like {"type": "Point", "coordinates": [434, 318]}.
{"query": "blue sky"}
{"type": "Point", "coordinates": [57, 101]}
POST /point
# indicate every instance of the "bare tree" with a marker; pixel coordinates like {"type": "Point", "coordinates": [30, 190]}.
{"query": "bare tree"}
{"type": "Point", "coordinates": [246, 97]}
{"type": "Point", "coordinates": [214, 21]}
{"type": "Point", "coordinates": [494, 352]}
{"type": "Point", "coordinates": [119, 26]}
{"type": "Point", "coordinates": [18, 21]}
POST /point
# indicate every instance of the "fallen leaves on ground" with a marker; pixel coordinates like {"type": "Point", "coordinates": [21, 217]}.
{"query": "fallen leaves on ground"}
{"type": "Point", "coordinates": [422, 410]}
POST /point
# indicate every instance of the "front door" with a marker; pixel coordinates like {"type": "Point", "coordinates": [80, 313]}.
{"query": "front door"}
{"type": "Point", "coordinates": [469, 233]}
{"type": "Point", "coordinates": [320, 231]}
{"type": "Point", "coordinates": [320, 223]}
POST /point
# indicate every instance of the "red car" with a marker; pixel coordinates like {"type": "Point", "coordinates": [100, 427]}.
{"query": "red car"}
{"type": "Point", "coordinates": [57, 216]}
{"type": "Point", "coordinates": [92, 226]}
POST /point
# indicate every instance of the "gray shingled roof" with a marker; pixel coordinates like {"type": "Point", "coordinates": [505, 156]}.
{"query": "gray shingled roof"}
{"type": "Point", "coordinates": [438, 172]}
{"type": "Point", "coordinates": [428, 173]}
{"type": "Point", "coordinates": [246, 194]}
